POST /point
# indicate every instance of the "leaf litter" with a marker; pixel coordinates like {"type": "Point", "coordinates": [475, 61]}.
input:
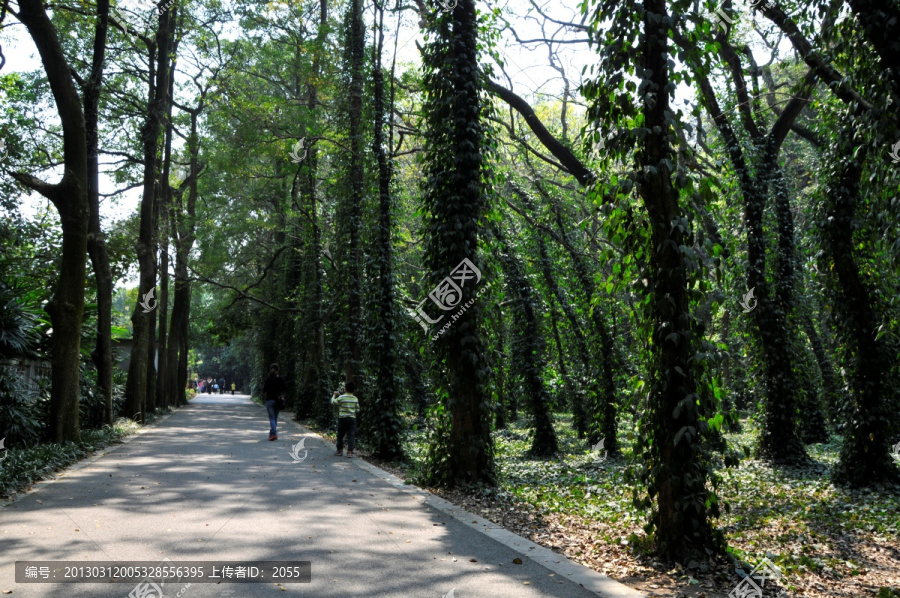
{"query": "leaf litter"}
{"type": "Point", "coordinates": [826, 540]}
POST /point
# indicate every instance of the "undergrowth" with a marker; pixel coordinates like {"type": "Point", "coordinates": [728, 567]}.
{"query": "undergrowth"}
{"type": "Point", "coordinates": [786, 514]}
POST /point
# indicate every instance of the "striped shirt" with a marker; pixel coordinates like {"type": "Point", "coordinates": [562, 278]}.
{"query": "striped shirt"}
{"type": "Point", "coordinates": [349, 405]}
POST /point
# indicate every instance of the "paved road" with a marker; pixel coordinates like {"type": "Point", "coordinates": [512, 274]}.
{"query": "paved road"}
{"type": "Point", "coordinates": [206, 484]}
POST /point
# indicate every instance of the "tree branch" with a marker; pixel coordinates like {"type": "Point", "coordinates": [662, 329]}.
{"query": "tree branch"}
{"type": "Point", "coordinates": [241, 293]}
{"type": "Point", "coordinates": [824, 70]}
{"type": "Point", "coordinates": [745, 108]}
{"type": "Point", "coordinates": [35, 184]}
{"type": "Point", "coordinates": [561, 152]}
{"type": "Point", "coordinates": [576, 26]}
{"type": "Point", "coordinates": [512, 133]}
{"type": "Point", "coordinates": [792, 110]}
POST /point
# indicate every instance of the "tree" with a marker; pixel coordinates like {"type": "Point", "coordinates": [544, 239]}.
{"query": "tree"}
{"type": "Point", "coordinates": [182, 220]}
{"type": "Point", "coordinates": [315, 383]}
{"type": "Point", "coordinates": [860, 320]}
{"type": "Point", "coordinates": [139, 369]}
{"type": "Point", "coordinates": [779, 440]}
{"type": "Point", "coordinates": [455, 200]}
{"type": "Point", "coordinates": [102, 353]}
{"type": "Point", "coordinates": [575, 390]}
{"type": "Point", "coordinates": [528, 349]}
{"type": "Point", "coordinates": [387, 426]}
{"type": "Point", "coordinates": [865, 454]}
{"type": "Point", "coordinates": [673, 444]}
{"type": "Point", "coordinates": [683, 530]}
{"type": "Point", "coordinates": [602, 421]}
{"type": "Point", "coordinates": [356, 42]}
{"type": "Point", "coordinates": [70, 197]}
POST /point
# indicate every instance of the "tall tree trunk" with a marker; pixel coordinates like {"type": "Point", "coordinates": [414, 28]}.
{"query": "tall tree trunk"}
{"type": "Point", "coordinates": [456, 203]}
{"type": "Point", "coordinates": [387, 426]}
{"type": "Point", "coordinates": [603, 419]}
{"type": "Point", "coordinates": [528, 349]}
{"type": "Point", "coordinates": [70, 198]}
{"type": "Point", "coordinates": [182, 221]}
{"type": "Point", "coordinates": [102, 353]}
{"type": "Point", "coordinates": [177, 342]}
{"type": "Point", "coordinates": [317, 380]}
{"type": "Point", "coordinates": [166, 226]}
{"type": "Point", "coordinates": [288, 284]}
{"type": "Point", "coordinates": [136, 387]}
{"type": "Point", "coordinates": [678, 476]}
{"type": "Point", "coordinates": [162, 399]}
{"type": "Point", "coordinates": [579, 415]}
{"type": "Point", "coordinates": [314, 384]}
{"type": "Point", "coordinates": [357, 43]}
{"type": "Point", "coordinates": [865, 455]}
{"type": "Point", "coordinates": [779, 438]}
{"type": "Point", "coordinates": [174, 344]}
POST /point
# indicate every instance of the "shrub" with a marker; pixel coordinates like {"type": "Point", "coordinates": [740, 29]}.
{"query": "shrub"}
{"type": "Point", "coordinates": [20, 416]}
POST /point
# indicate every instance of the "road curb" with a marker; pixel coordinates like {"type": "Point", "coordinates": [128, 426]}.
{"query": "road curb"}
{"type": "Point", "coordinates": [558, 563]}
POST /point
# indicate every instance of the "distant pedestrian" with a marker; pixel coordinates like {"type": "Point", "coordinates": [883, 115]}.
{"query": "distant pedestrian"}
{"type": "Point", "coordinates": [232, 388]}
{"type": "Point", "coordinates": [221, 386]}
{"type": "Point", "coordinates": [216, 388]}
{"type": "Point", "coordinates": [209, 388]}
{"type": "Point", "coordinates": [349, 406]}
{"type": "Point", "coordinates": [273, 390]}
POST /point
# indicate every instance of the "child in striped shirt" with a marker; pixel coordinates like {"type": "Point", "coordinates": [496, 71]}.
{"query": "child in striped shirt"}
{"type": "Point", "coordinates": [349, 406]}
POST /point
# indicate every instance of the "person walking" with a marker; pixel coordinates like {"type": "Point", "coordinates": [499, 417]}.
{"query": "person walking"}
{"type": "Point", "coordinates": [209, 386]}
{"type": "Point", "coordinates": [349, 406]}
{"type": "Point", "coordinates": [232, 388]}
{"type": "Point", "coordinates": [273, 389]}
{"type": "Point", "coordinates": [221, 386]}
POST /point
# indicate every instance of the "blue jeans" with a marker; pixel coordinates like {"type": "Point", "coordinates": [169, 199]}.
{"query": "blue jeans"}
{"type": "Point", "coordinates": [273, 418]}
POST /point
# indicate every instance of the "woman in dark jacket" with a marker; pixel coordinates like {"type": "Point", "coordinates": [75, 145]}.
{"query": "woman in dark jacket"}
{"type": "Point", "coordinates": [272, 389]}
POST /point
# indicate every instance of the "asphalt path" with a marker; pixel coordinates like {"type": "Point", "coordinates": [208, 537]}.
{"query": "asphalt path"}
{"type": "Point", "coordinates": [206, 484]}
